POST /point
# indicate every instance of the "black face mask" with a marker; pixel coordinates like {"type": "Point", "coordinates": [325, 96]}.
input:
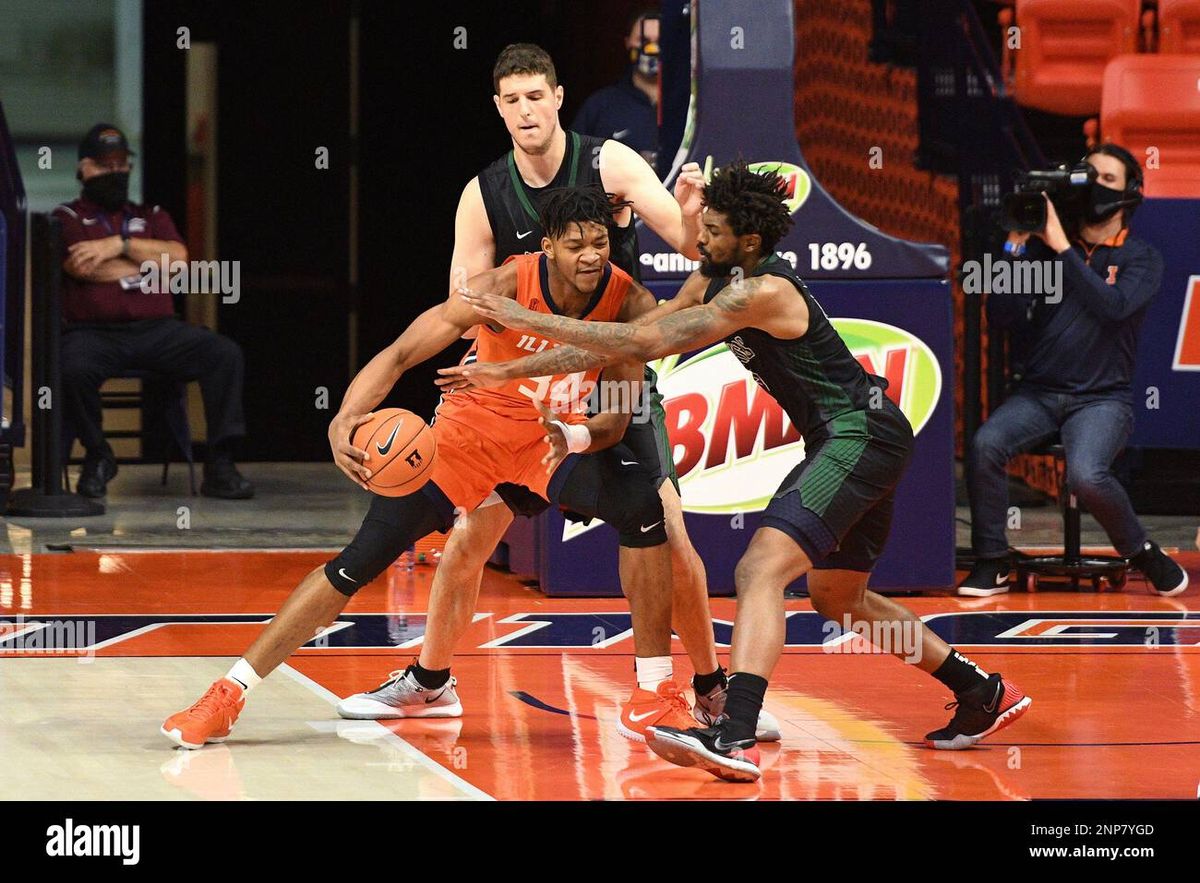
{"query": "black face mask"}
{"type": "Point", "coordinates": [1104, 202]}
{"type": "Point", "coordinates": [109, 191]}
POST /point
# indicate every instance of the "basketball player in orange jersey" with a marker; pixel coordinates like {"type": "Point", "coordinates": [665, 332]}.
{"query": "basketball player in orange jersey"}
{"type": "Point", "coordinates": [487, 437]}
{"type": "Point", "coordinates": [497, 218]}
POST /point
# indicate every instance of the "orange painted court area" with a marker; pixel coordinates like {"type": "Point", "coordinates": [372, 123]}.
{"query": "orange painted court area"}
{"type": "Point", "coordinates": [1108, 720]}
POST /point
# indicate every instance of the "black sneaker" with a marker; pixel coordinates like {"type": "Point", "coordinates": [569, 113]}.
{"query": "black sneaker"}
{"type": "Point", "coordinates": [982, 710]}
{"type": "Point", "coordinates": [1167, 577]}
{"type": "Point", "coordinates": [97, 472]}
{"type": "Point", "coordinates": [222, 480]}
{"type": "Point", "coordinates": [733, 761]}
{"type": "Point", "coordinates": [988, 577]}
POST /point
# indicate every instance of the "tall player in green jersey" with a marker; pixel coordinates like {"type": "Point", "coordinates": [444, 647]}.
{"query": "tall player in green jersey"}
{"type": "Point", "coordinates": [831, 515]}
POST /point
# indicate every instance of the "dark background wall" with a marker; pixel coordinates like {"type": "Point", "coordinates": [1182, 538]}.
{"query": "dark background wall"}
{"type": "Point", "coordinates": [426, 126]}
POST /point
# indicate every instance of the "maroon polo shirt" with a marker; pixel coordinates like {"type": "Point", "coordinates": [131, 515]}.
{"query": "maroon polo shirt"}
{"type": "Point", "coordinates": [108, 301]}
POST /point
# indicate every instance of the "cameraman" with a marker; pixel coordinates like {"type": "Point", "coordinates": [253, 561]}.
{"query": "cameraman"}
{"type": "Point", "coordinates": [1077, 350]}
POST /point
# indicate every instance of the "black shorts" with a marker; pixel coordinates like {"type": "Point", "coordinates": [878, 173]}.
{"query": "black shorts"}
{"type": "Point", "coordinates": [608, 485]}
{"type": "Point", "coordinates": [645, 438]}
{"type": "Point", "coordinates": [837, 504]}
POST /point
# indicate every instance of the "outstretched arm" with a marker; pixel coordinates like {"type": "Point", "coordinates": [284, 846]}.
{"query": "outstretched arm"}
{"type": "Point", "coordinates": [676, 220]}
{"type": "Point", "coordinates": [639, 308]}
{"type": "Point", "coordinates": [429, 334]}
{"type": "Point", "coordinates": [738, 305]}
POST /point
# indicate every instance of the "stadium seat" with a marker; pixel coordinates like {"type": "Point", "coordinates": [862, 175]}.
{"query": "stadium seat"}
{"type": "Point", "coordinates": [1179, 27]}
{"type": "Point", "coordinates": [1065, 45]}
{"type": "Point", "coordinates": [1153, 101]}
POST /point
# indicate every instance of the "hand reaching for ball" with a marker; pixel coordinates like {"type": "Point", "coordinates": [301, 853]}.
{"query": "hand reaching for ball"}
{"type": "Point", "coordinates": [349, 459]}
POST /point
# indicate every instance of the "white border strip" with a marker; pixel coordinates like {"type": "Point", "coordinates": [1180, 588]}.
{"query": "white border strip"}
{"type": "Point", "coordinates": [1192, 284]}
{"type": "Point", "coordinates": [418, 756]}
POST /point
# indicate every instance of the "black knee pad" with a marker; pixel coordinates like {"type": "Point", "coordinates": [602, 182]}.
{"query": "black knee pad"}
{"type": "Point", "coordinates": [630, 503]}
{"type": "Point", "coordinates": [613, 486]}
{"type": "Point", "coordinates": [392, 525]}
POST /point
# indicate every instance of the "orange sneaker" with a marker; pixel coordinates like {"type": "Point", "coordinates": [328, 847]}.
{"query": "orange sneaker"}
{"type": "Point", "coordinates": [667, 707]}
{"type": "Point", "coordinates": [210, 719]}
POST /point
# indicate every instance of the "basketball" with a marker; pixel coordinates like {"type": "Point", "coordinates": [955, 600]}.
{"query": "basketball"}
{"type": "Point", "coordinates": [401, 449]}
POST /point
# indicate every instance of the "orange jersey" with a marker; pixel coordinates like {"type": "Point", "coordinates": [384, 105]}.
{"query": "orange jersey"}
{"type": "Point", "coordinates": [565, 394]}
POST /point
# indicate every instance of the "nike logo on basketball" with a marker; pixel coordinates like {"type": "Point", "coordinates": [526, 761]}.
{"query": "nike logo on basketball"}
{"type": "Point", "coordinates": [342, 573]}
{"type": "Point", "coordinates": [650, 528]}
{"type": "Point", "coordinates": [383, 449]}
{"type": "Point", "coordinates": [991, 707]}
{"type": "Point", "coordinates": [523, 235]}
{"type": "Point", "coordinates": [641, 717]}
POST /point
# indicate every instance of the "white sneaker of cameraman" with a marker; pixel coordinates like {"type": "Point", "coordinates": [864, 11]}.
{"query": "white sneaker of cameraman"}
{"type": "Point", "coordinates": [401, 696]}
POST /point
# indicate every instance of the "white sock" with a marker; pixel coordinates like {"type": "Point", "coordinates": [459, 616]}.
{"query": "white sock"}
{"type": "Point", "coordinates": [652, 671]}
{"type": "Point", "coordinates": [243, 673]}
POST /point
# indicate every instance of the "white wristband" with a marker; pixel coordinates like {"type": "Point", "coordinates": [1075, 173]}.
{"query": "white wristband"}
{"type": "Point", "coordinates": [578, 436]}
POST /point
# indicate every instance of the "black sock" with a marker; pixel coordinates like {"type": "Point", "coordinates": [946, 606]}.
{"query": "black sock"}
{"type": "Point", "coordinates": [704, 684]}
{"type": "Point", "coordinates": [430, 679]}
{"type": "Point", "coordinates": [743, 703]}
{"type": "Point", "coordinates": [959, 673]}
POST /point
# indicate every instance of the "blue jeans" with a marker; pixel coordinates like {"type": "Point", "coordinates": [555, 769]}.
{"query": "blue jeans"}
{"type": "Point", "coordinates": [1094, 429]}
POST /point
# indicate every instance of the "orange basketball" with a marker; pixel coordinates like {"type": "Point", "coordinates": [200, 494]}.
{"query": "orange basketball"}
{"type": "Point", "coordinates": [401, 449]}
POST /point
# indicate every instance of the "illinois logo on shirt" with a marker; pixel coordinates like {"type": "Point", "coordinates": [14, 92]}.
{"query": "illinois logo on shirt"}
{"type": "Point", "coordinates": [1112, 274]}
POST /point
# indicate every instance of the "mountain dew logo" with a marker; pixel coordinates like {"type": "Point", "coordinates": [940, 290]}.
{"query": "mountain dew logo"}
{"type": "Point", "coordinates": [799, 185]}
{"type": "Point", "coordinates": [732, 442]}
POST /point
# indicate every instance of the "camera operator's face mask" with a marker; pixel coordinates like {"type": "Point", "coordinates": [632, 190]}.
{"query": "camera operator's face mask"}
{"type": "Point", "coordinates": [1104, 202]}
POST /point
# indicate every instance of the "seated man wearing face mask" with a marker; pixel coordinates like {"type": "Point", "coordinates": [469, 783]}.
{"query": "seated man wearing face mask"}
{"type": "Point", "coordinates": [111, 325]}
{"type": "Point", "coordinates": [1076, 352]}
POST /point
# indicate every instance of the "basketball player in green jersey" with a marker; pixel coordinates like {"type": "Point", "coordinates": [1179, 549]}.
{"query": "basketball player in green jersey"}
{"type": "Point", "coordinates": [496, 218]}
{"type": "Point", "coordinates": [831, 515]}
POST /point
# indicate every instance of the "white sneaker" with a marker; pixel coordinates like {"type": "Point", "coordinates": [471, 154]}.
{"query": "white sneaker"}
{"type": "Point", "coordinates": [712, 705]}
{"type": "Point", "coordinates": [401, 696]}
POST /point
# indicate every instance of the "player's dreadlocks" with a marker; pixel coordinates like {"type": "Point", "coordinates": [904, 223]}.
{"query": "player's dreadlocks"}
{"type": "Point", "coordinates": [577, 205]}
{"type": "Point", "coordinates": [752, 202]}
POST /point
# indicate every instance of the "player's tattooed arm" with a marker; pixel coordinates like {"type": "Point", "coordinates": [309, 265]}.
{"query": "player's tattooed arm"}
{"type": "Point", "coordinates": [639, 308]}
{"type": "Point", "coordinates": [736, 306]}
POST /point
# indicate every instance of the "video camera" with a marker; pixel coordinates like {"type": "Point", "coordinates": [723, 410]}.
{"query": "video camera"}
{"type": "Point", "coordinates": [1067, 186]}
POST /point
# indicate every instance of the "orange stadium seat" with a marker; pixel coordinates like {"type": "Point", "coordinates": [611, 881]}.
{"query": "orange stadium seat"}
{"type": "Point", "coordinates": [1179, 26]}
{"type": "Point", "coordinates": [1065, 45]}
{"type": "Point", "coordinates": [1153, 101]}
